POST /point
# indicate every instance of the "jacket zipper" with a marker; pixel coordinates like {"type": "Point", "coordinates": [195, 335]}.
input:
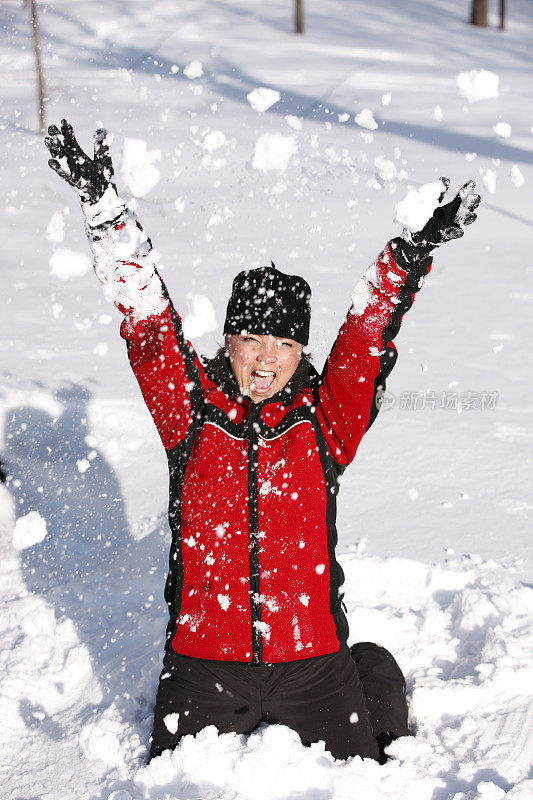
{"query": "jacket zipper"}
{"type": "Point", "coordinates": [253, 531]}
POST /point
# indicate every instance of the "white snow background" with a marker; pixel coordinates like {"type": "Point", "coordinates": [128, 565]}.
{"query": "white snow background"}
{"type": "Point", "coordinates": [435, 514]}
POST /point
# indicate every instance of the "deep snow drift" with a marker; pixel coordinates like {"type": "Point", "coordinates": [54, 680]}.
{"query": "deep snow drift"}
{"type": "Point", "coordinates": [237, 143]}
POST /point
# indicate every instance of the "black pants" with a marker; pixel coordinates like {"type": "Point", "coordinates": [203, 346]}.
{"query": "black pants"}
{"type": "Point", "coordinates": [345, 699]}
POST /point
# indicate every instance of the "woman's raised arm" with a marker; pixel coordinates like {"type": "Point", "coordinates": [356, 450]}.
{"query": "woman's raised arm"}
{"type": "Point", "coordinates": [364, 353]}
{"type": "Point", "coordinates": [168, 371]}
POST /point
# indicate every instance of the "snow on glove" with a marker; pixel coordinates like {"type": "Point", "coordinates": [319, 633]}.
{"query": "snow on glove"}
{"type": "Point", "coordinates": [91, 178]}
{"type": "Point", "coordinates": [447, 220]}
{"type": "Point", "coordinates": [412, 249]}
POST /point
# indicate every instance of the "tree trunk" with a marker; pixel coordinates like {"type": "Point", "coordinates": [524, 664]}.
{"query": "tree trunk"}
{"type": "Point", "coordinates": [480, 13]}
{"type": "Point", "coordinates": [502, 14]}
{"type": "Point", "coordinates": [299, 16]}
{"type": "Point", "coordinates": [38, 65]}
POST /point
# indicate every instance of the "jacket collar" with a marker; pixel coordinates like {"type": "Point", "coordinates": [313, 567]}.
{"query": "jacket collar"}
{"type": "Point", "coordinates": [220, 372]}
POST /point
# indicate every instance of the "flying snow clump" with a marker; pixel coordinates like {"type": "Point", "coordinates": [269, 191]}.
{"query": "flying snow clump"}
{"type": "Point", "coordinates": [502, 129]}
{"type": "Point", "coordinates": [214, 140]}
{"type": "Point", "coordinates": [293, 122]}
{"type": "Point", "coordinates": [29, 530]}
{"type": "Point", "coordinates": [273, 151]}
{"type": "Point", "coordinates": [137, 167]}
{"type": "Point", "coordinates": [262, 98]}
{"type": "Point", "coordinates": [478, 84]}
{"type": "Point", "coordinates": [200, 317]}
{"type": "Point", "coordinates": [65, 264]}
{"type": "Point", "coordinates": [55, 230]}
{"type": "Point", "coordinates": [488, 176]}
{"type": "Point", "coordinates": [517, 178]}
{"type": "Point", "coordinates": [365, 119]}
{"type": "Point", "coordinates": [193, 70]}
{"type": "Point", "coordinates": [386, 169]}
{"type": "Point", "coordinates": [171, 722]}
{"type": "Point", "coordinates": [414, 210]}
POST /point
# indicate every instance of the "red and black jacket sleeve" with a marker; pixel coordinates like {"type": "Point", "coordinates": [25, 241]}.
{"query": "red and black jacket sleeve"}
{"type": "Point", "coordinates": [364, 354]}
{"type": "Point", "coordinates": [170, 374]}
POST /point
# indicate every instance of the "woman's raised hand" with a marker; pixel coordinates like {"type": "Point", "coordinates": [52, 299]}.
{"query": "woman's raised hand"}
{"type": "Point", "coordinates": [447, 221]}
{"type": "Point", "coordinates": [89, 177]}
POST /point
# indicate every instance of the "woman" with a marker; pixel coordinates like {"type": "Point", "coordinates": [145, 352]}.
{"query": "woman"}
{"type": "Point", "coordinates": [256, 442]}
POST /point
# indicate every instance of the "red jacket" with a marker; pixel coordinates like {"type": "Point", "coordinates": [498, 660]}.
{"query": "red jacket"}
{"type": "Point", "coordinates": [253, 488]}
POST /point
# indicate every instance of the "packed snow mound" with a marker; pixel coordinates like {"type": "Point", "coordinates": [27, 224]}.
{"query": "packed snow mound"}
{"type": "Point", "coordinates": [137, 167]}
{"type": "Point", "coordinates": [66, 264]}
{"type": "Point", "coordinates": [29, 530]}
{"type": "Point", "coordinates": [200, 317]}
{"type": "Point", "coordinates": [414, 210]}
{"type": "Point", "coordinates": [273, 151]}
{"type": "Point", "coordinates": [461, 632]}
{"type": "Point", "coordinates": [261, 99]}
{"type": "Point", "coordinates": [478, 84]}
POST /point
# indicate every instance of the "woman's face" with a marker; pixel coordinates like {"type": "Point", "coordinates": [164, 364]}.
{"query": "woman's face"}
{"type": "Point", "coordinates": [261, 363]}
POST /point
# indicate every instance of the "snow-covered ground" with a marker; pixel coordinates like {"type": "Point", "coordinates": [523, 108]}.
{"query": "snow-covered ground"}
{"type": "Point", "coordinates": [435, 514]}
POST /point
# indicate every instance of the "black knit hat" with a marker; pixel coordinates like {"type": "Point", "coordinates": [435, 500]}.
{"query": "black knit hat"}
{"type": "Point", "coordinates": [265, 300]}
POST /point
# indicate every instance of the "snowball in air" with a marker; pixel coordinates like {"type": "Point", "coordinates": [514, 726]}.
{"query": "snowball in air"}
{"type": "Point", "coordinates": [29, 530]}
{"type": "Point", "coordinates": [502, 129]}
{"type": "Point", "coordinates": [365, 119]}
{"type": "Point", "coordinates": [262, 98]}
{"type": "Point", "coordinates": [214, 141]}
{"type": "Point", "coordinates": [65, 264]}
{"type": "Point", "coordinates": [517, 178]}
{"type": "Point", "coordinates": [273, 152]}
{"type": "Point", "coordinates": [418, 205]}
{"type": "Point", "coordinates": [193, 70]}
{"type": "Point", "coordinates": [478, 84]}
{"type": "Point", "coordinates": [55, 230]}
{"type": "Point", "coordinates": [200, 317]}
{"type": "Point", "coordinates": [137, 167]}
{"type": "Point", "coordinates": [488, 176]}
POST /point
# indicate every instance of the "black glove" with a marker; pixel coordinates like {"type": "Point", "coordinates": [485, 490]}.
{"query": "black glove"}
{"type": "Point", "coordinates": [447, 221]}
{"type": "Point", "coordinates": [90, 177]}
{"type": "Point", "coordinates": [412, 250]}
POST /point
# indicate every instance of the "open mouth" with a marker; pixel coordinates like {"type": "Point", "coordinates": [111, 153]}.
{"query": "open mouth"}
{"type": "Point", "coordinates": [262, 380]}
